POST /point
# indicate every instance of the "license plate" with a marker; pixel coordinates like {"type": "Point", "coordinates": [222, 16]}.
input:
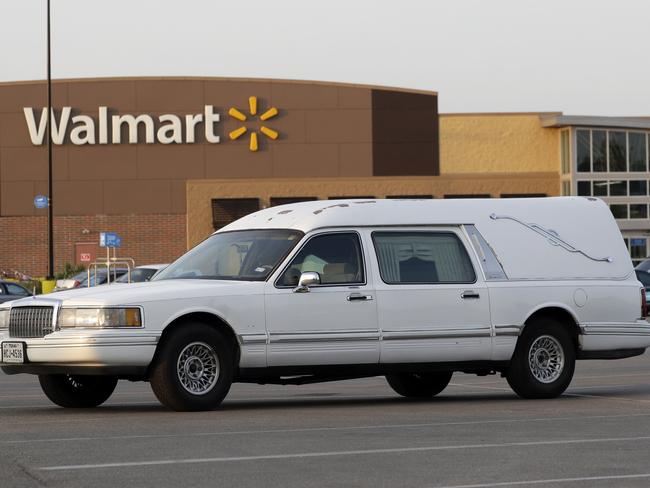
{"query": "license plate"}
{"type": "Point", "coordinates": [13, 352]}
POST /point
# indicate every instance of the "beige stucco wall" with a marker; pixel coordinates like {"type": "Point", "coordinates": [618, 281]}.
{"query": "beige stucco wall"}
{"type": "Point", "coordinates": [497, 143]}
{"type": "Point", "coordinates": [201, 192]}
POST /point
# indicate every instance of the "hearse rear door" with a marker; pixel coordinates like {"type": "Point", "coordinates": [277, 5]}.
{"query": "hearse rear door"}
{"type": "Point", "coordinates": [432, 301]}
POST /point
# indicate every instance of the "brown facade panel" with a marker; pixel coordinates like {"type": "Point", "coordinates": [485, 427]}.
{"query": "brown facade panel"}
{"type": "Point", "coordinates": [173, 161]}
{"type": "Point", "coordinates": [13, 129]}
{"type": "Point", "coordinates": [405, 133]}
{"type": "Point", "coordinates": [339, 126]}
{"type": "Point", "coordinates": [352, 97]}
{"type": "Point", "coordinates": [226, 94]}
{"type": "Point", "coordinates": [137, 196]}
{"type": "Point", "coordinates": [237, 162]}
{"type": "Point", "coordinates": [355, 159]}
{"type": "Point", "coordinates": [116, 95]}
{"type": "Point", "coordinates": [15, 96]}
{"type": "Point", "coordinates": [169, 95]}
{"type": "Point", "coordinates": [298, 95]}
{"type": "Point", "coordinates": [300, 160]}
{"type": "Point", "coordinates": [17, 197]}
{"type": "Point", "coordinates": [30, 164]}
{"type": "Point", "coordinates": [110, 162]}
{"type": "Point", "coordinates": [405, 159]}
{"type": "Point", "coordinates": [69, 196]}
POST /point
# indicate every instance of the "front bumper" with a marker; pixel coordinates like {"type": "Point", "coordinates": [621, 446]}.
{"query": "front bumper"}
{"type": "Point", "coordinates": [73, 351]}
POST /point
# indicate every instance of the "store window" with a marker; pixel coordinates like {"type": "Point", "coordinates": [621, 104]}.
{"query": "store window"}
{"type": "Point", "coordinates": [614, 151]}
{"type": "Point", "coordinates": [410, 197]}
{"type": "Point", "coordinates": [638, 188]}
{"type": "Point", "coordinates": [583, 143]}
{"type": "Point", "coordinates": [599, 150]}
{"type": "Point", "coordinates": [617, 188]}
{"type": "Point", "coordinates": [638, 151]}
{"type": "Point", "coordinates": [584, 188]}
{"type": "Point", "coordinates": [619, 211]}
{"type": "Point", "coordinates": [350, 198]}
{"type": "Point", "coordinates": [617, 152]}
{"type": "Point", "coordinates": [227, 210]}
{"type": "Point", "coordinates": [479, 195]}
{"type": "Point", "coordinates": [275, 201]}
{"type": "Point", "coordinates": [638, 247]}
{"type": "Point", "coordinates": [638, 211]}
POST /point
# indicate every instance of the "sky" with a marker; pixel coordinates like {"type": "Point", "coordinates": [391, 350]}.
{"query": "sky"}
{"type": "Point", "coordinates": [581, 57]}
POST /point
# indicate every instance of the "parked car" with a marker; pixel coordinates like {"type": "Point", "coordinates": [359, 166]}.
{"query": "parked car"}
{"type": "Point", "coordinates": [643, 275]}
{"type": "Point", "coordinates": [141, 273]}
{"type": "Point", "coordinates": [12, 291]}
{"type": "Point", "coordinates": [80, 280]}
{"type": "Point", "coordinates": [322, 291]}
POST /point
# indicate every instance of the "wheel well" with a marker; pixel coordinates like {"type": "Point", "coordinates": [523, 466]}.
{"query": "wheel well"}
{"type": "Point", "coordinates": [205, 318]}
{"type": "Point", "coordinates": [559, 314]}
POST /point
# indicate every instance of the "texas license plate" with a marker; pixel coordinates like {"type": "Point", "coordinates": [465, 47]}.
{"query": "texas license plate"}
{"type": "Point", "coordinates": [13, 352]}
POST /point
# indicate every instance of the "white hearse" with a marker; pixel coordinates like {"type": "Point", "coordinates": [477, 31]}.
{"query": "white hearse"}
{"type": "Point", "coordinates": [321, 291]}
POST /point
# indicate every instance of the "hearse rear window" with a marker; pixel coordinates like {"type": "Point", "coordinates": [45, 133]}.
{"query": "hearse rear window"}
{"type": "Point", "coordinates": [422, 257]}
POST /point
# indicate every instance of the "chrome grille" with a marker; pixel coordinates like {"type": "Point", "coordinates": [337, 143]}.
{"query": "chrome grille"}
{"type": "Point", "coordinates": [29, 322]}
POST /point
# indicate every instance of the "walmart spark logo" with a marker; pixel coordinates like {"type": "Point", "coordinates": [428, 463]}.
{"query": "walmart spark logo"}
{"type": "Point", "coordinates": [252, 107]}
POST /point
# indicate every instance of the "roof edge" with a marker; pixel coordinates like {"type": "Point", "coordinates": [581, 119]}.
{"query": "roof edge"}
{"type": "Point", "coordinates": [220, 78]}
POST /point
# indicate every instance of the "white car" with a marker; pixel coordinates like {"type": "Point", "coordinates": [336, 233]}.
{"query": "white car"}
{"type": "Point", "coordinates": [322, 291]}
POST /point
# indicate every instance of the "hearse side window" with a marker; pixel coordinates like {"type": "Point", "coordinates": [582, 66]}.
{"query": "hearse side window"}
{"type": "Point", "coordinates": [422, 257]}
{"type": "Point", "coordinates": [335, 257]}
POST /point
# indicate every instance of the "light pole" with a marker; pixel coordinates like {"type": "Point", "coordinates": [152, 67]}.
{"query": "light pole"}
{"type": "Point", "coordinates": [50, 212]}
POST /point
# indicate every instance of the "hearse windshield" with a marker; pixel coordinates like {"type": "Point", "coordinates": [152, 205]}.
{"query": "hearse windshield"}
{"type": "Point", "coordinates": [247, 255]}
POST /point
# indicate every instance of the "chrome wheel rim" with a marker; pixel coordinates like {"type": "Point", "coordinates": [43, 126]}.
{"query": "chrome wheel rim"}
{"type": "Point", "coordinates": [198, 368]}
{"type": "Point", "coordinates": [546, 359]}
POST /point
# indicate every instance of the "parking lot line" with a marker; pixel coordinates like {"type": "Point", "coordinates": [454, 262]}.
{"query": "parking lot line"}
{"type": "Point", "coordinates": [552, 480]}
{"type": "Point", "coordinates": [325, 429]}
{"type": "Point", "coordinates": [305, 455]}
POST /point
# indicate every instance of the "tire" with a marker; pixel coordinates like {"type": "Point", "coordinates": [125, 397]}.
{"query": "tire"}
{"type": "Point", "coordinates": [77, 391]}
{"type": "Point", "coordinates": [419, 385]}
{"type": "Point", "coordinates": [193, 369]}
{"type": "Point", "coordinates": [544, 360]}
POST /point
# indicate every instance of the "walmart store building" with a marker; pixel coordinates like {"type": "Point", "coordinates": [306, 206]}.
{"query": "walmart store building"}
{"type": "Point", "coordinates": [165, 161]}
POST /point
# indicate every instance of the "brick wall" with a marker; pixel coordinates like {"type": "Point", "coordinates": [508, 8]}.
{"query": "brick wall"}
{"type": "Point", "coordinates": [149, 239]}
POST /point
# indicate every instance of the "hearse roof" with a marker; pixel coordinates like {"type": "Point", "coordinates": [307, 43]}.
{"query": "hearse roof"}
{"type": "Point", "coordinates": [534, 238]}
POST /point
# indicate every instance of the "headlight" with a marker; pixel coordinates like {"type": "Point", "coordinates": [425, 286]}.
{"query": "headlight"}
{"type": "Point", "coordinates": [4, 318]}
{"type": "Point", "coordinates": [100, 317]}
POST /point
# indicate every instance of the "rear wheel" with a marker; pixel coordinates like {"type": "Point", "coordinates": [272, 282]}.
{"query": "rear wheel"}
{"type": "Point", "coordinates": [544, 360]}
{"type": "Point", "coordinates": [77, 391]}
{"type": "Point", "coordinates": [418, 385]}
{"type": "Point", "coordinates": [194, 368]}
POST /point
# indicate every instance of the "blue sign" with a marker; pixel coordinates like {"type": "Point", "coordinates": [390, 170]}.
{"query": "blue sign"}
{"type": "Point", "coordinates": [109, 239]}
{"type": "Point", "coordinates": [41, 201]}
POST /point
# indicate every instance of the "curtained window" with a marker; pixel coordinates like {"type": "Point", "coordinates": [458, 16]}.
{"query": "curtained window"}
{"type": "Point", "coordinates": [422, 257]}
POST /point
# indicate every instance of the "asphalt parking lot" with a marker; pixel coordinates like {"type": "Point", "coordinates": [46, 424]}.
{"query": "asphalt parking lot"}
{"type": "Point", "coordinates": [355, 433]}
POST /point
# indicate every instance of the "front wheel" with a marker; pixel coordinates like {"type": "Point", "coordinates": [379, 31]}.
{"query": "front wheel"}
{"type": "Point", "coordinates": [194, 368]}
{"type": "Point", "coordinates": [418, 385]}
{"type": "Point", "coordinates": [544, 360]}
{"type": "Point", "coordinates": [77, 391]}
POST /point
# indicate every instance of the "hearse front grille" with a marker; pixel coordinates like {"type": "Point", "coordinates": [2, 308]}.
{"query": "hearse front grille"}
{"type": "Point", "coordinates": [28, 322]}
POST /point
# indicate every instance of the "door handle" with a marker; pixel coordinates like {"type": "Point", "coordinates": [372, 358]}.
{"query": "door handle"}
{"type": "Point", "coordinates": [469, 294]}
{"type": "Point", "coordinates": [354, 297]}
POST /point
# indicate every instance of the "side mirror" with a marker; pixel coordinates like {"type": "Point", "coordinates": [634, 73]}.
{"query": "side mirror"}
{"type": "Point", "coordinates": [307, 279]}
